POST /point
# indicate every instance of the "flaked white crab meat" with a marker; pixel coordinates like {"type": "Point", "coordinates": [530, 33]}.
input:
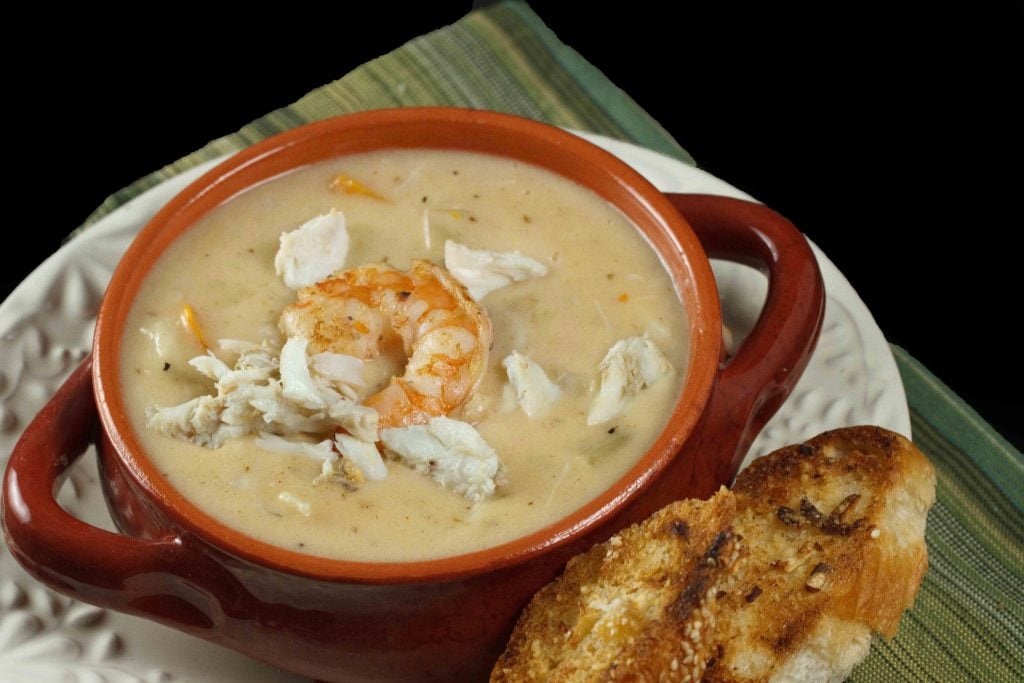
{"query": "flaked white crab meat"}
{"type": "Point", "coordinates": [268, 395]}
{"type": "Point", "coordinates": [482, 271]}
{"type": "Point", "coordinates": [312, 251]}
{"type": "Point", "coordinates": [197, 421]}
{"type": "Point", "coordinates": [296, 379]}
{"type": "Point", "coordinates": [363, 455]}
{"type": "Point", "coordinates": [629, 366]}
{"type": "Point", "coordinates": [534, 391]}
{"type": "Point", "coordinates": [325, 381]}
{"type": "Point", "coordinates": [211, 366]}
{"type": "Point", "coordinates": [451, 452]}
{"type": "Point", "coordinates": [339, 367]}
{"type": "Point", "coordinates": [358, 420]}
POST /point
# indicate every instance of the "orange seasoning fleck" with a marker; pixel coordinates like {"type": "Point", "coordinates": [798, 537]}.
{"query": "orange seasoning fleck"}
{"type": "Point", "coordinates": [623, 298]}
{"type": "Point", "coordinates": [349, 185]}
{"type": "Point", "coordinates": [191, 323]}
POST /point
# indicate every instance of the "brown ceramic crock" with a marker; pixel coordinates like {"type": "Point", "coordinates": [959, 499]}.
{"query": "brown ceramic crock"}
{"type": "Point", "coordinates": [444, 619]}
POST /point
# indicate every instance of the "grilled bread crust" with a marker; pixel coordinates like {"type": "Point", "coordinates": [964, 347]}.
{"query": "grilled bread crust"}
{"type": "Point", "coordinates": [785, 578]}
{"type": "Point", "coordinates": [637, 607]}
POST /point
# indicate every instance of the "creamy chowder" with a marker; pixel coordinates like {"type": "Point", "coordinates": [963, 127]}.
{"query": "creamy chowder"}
{"type": "Point", "coordinates": [604, 283]}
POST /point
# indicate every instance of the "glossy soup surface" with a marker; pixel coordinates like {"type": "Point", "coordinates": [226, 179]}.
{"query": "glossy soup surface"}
{"type": "Point", "coordinates": [604, 283]}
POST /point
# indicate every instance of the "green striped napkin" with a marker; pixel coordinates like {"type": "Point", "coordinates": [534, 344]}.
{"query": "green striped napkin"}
{"type": "Point", "coordinates": [968, 621]}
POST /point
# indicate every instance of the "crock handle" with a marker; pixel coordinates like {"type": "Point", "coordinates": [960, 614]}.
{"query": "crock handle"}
{"type": "Point", "coordinates": [160, 578]}
{"type": "Point", "coordinates": [754, 382]}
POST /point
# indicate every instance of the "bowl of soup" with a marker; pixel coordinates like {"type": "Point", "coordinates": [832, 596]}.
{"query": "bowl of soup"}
{"type": "Point", "coordinates": [363, 388]}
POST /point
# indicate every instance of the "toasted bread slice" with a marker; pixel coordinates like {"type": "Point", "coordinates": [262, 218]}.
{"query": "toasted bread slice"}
{"type": "Point", "coordinates": [833, 539]}
{"type": "Point", "coordinates": [829, 537]}
{"type": "Point", "coordinates": [633, 607]}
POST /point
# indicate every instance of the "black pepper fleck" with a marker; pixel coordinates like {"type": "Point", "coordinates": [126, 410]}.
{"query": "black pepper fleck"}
{"type": "Point", "coordinates": [167, 366]}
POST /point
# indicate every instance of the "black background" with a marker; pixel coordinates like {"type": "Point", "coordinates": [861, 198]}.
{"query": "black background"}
{"type": "Point", "coordinates": [890, 135]}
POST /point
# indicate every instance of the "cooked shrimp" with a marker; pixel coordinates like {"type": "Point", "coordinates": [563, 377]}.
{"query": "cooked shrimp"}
{"type": "Point", "coordinates": [444, 333]}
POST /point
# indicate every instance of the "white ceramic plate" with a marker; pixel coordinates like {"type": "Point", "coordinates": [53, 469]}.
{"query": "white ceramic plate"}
{"type": "Point", "coordinates": [46, 327]}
